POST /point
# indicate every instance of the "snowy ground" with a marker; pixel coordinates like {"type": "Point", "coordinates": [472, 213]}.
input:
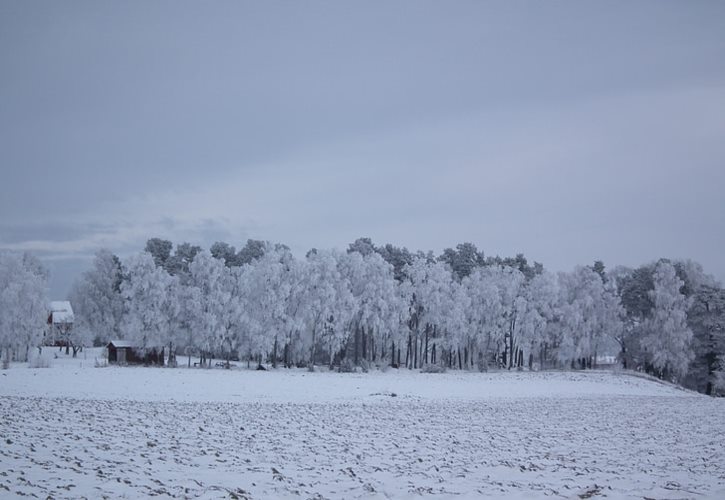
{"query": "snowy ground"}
{"type": "Point", "coordinates": [73, 430]}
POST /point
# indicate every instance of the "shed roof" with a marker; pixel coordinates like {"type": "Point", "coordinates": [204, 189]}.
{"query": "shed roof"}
{"type": "Point", "coordinates": [121, 344]}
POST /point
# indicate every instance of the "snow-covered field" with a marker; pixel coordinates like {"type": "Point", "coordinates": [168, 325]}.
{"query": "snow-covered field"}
{"type": "Point", "coordinates": [73, 430]}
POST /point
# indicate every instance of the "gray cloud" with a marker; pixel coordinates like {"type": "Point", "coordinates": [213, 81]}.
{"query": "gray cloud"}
{"type": "Point", "coordinates": [52, 232]}
{"type": "Point", "coordinates": [568, 131]}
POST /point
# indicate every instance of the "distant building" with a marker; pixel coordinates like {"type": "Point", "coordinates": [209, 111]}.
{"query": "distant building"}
{"type": "Point", "coordinates": [605, 362]}
{"type": "Point", "coordinates": [124, 352]}
{"type": "Point", "coordinates": [60, 323]}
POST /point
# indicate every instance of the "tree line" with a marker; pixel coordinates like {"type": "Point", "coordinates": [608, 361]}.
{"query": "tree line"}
{"type": "Point", "coordinates": [386, 306]}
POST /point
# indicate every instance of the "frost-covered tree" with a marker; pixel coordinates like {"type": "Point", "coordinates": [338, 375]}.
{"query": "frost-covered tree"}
{"type": "Point", "coordinates": [214, 296]}
{"type": "Point", "coordinates": [485, 313]}
{"type": "Point", "coordinates": [508, 282]}
{"type": "Point", "coordinates": [396, 257]}
{"type": "Point", "coordinates": [152, 305]}
{"type": "Point", "coordinates": [433, 313]}
{"type": "Point", "coordinates": [160, 250]}
{"type": "Point", "coordinates": [633, 287]}
{"type": "Point", "coordinates": [375, 321]}
{"type": "Point", "coordinates": [231, 312]}
{"type": "Point", "coordinates": [225, 252]}
{"type": "Point", "coordinates": [508, 314]}
{"type": "Point", "coordinates": [178, 264]}
{"type": "Point", "coordinates": [612, 317]}
{"type": "Point", "coordinates": [268, 285]}
{"type": "Point", "coordinates": [455, 328]}
{"type": "Point", "coordinates": [388, 314]}
{"type": "Point", "coordinates": [23, 305]}
{"type": "Point", "coordinates": [363, 246]}
{"type": "Point", "coordinates": [706, 318]}
{"type": "Point", "coordinates": [589, 316]}
{"type": "Point", "coordinates": [186, 339]}
{"type": "Point", "coordinates": [541, 316]}
{"type": "Point", "coordinates": [693, 276]}
{"type": "Point", "coordinates": [253, 250]}
{"type": "Point", "coordinates": [667, 338]}
{"type": "Point", "coordinates": [328, 304]}
{"type": "Point", "coordinates": [636, 289]}
{"type": "Point", "coordinates": [97, 301]}
{"type": "Point", "coordinates": [294, 311]}
{"type": "Point", "coordinates": [463, 260]}
{"type": "Point", "coordinates": [520, 263]}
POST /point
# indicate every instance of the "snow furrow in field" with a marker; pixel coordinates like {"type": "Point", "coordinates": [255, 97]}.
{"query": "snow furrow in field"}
{"type": "Point", "coordinates": [375, 447]}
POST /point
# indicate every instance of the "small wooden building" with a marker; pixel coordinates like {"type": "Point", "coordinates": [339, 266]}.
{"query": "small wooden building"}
{"type": "Point", "coordinates": [125, 353]}
{"type": "Point", "coordinates": [120, 351]}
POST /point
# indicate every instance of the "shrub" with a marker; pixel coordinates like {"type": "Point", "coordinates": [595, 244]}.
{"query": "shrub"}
{"type": "Point", "coordinates": [347, 366]}
{"type": "Point", "coordinates": [433, 369]}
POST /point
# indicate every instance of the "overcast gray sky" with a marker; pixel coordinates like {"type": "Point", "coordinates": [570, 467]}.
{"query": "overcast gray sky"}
{"type": "Point", "coordinates": [570, 131]}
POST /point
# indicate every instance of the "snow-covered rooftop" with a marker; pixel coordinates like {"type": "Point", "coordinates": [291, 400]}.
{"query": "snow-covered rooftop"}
{"type": "Point", "coordinates": [121, 343]}
{"type": "Point", "coordinates": [61, 311]}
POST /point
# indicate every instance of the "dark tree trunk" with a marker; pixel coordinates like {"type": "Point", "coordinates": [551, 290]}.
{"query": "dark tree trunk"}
{"type": "Point", "coordinates": [415, 351]}
{"type": "Point", "coordinates": [426, 344]}
{"type": "Point", "coordinates": [312, 349]}
{"type": "Point", "coordinates": [712, 364]}
{"type": "Point", "coordinates": [357, 345]}
{"type": "Point", "coordinates": [512, 329]}
{"type": "Point", "coordinates": [407, 352]}
{"type": "Point", "coordinates": [274, 353]}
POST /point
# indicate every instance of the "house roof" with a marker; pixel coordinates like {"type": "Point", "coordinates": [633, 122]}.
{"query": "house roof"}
{"type": "Point", "coordinates": [61, 311]}
{"type": "Point", "coordinates": [120, 343]}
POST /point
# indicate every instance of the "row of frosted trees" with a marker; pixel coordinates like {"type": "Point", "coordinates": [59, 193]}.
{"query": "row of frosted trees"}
{"type": "Point", "coordinates": [384, 306]}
